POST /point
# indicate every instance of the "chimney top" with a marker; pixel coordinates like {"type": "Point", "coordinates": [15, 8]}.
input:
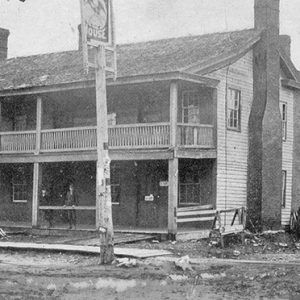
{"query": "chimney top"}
{"type": "Point", "coordinates": [4, 33]}
{"type": "Point", "coordinates": [266, 14]}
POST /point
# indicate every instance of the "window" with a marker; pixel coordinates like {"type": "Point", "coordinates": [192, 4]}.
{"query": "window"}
{"type": "Point", "coordinates": [19, 186]}
{"type": "Point", "coordinates": [189, 187]}
{"type": "Point", "coordinates": [190, 107]}
{"type": "Point", "coordinates": [234, 109]}
{"type": "Point", "coordinates": [283, 109]}
{"type": "Point", "coordinates": [115, 183]}
{"type": "Point", "coordinates": [283, 192]}
{"type": "Point", "coordinates": [19, 192]}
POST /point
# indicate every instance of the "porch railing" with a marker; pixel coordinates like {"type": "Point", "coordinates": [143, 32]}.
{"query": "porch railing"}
{"type": "Point", "coordinates": [127, 136]}
{"type": "Point", "coordinates": [151, 135]}
{"type": "Point", "coordinates": [67, 139]}
{"type": "Point", "coordinates": [195, 135]}
{"type": "Point", "coordinates": [18, 142]}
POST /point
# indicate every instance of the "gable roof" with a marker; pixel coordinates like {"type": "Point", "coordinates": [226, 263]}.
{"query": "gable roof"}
{"type": "Point", "coordinates": [153, 57]}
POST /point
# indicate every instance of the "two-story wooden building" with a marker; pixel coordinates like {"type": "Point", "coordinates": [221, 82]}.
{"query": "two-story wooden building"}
{"type": "Point", "coordinates": [189, 125]}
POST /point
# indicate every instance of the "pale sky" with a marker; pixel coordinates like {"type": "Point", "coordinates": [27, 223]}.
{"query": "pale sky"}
{"type": "Point", "coordinates": [41, 26]}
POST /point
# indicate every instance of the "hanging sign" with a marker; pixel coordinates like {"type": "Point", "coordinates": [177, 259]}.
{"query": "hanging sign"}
{"type": "Point", "coordinates": [97, 30]}
{"type": "Point", "coordinates": [96, 21]}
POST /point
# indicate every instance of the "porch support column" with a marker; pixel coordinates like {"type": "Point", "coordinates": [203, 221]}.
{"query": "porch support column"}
{"type": "Point", "coordinates": [173, 113]}
{"type": "Point", "coordinates": [172, 198]}
{"type": "Point", "coordinates": [173, 163]}
{"type": "Point", "coordinates": [37, 180]}
{"type": "Point", "coordinates": [0, 115]}
{"type": "Point", "coordinates": [38, 124]}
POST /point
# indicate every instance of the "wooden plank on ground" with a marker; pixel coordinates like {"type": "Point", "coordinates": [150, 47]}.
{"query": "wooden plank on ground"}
{"type": "Point", "coordinates": [127, 252]}
{"type": "Point", "coordinates": [118, 239]}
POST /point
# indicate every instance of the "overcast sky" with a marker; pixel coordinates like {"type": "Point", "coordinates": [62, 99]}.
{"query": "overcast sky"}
{"type": "Point", "coordinates": [40, 26]}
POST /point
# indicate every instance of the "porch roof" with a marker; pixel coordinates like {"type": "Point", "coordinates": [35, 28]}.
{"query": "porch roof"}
{"type": "Point", "coordinates": [134, 60]}
{"type": "Point", "coordinates": [169, 76]}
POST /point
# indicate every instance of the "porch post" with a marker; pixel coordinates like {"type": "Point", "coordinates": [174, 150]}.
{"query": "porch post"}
{"type": "Point", "coordinates": [172, 198]}
{"type": "Point", "coordinates": [173, 113]}
{"type": "Point", "coordinates": [37, 180]}
{"type": "Point", "coordinates": [38, 124]}
{"type": "Point", "coordinates": [0, 115]}
{"type": "Point", "coordinates": [173, 163]}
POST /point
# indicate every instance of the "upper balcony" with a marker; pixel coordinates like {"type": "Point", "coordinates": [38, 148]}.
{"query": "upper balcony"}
{"type": "Point", "coordinates": [130, 136]}
{"type": "Point", "coordinates": [159, 115]}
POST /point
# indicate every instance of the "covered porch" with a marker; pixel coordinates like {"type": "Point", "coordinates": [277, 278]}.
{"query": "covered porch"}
{"type": "Point", "coordinates": [144, 114]}
{"type": "Point", "coordinates": [140, 194]}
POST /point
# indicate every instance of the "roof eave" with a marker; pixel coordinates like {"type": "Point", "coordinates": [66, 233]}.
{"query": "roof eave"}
{"type": "Point", "coordinates": [291, 84]}
{"type": "Point", "coordinates": [125, 80]}
{"type": "Point", "coordinates": [221, 61]}
{"type": "Point", "coordinates": [288, 65]}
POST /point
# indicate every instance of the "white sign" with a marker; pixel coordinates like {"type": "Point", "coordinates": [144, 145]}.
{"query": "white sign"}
{"type": "Point", "coordinates": [149, 198]}
{"type": "Point", "coordinates": [164, 183]}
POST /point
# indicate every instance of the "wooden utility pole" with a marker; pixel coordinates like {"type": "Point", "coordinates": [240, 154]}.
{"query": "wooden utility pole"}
{"type": "Point", "coordinates": [97, 34]}
{"type": "Point", "coordinates": [103, 188]}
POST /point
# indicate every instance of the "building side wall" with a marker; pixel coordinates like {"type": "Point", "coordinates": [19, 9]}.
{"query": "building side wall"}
{"type": "Point", "coordinates": [232, 146]}
{"type": "Point", "coordinates": [287, 96]}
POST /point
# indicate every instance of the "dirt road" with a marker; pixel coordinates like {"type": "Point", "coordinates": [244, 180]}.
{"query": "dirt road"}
{"type": "Point", "coordinates": [32, 275]}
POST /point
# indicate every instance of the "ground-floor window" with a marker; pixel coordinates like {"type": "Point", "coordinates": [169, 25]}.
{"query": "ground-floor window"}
{"type": "Point", "coordinates": [19, 186]}
{"type": "Point", "coordinates": [189, 187]}
{"type": "Point", "coordinates": [283, 195]}
{"type": "Point", "coordinates": [19, 192]}
{"type": "Point", "coordinates": [189, 193]}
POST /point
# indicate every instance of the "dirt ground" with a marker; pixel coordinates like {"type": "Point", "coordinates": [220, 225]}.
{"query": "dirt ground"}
{"type": "Point", "coordinates": [32, 275]}
{"type": "Point", "coordinates": [42, 275]}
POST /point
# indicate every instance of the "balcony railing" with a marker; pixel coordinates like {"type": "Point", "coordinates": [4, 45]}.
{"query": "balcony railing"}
{"type": "Point", "coordinates": [21, 142]}
{"type": "Point", "coordinates": [195, 135]}
{"type": "Point", "coordinates": [127, 136]}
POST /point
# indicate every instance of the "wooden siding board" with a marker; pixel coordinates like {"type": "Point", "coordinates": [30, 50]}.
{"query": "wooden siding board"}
{"type": "Point", "coordinates": [233, 146]}
{"type": "Point", "coordinates": [232, 154]}
{"type": "Point", "coordinates": [287, 96]}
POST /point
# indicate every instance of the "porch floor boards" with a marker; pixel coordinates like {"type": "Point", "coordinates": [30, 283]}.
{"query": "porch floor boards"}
{"type": "Point", "coordinates": [183, 234]}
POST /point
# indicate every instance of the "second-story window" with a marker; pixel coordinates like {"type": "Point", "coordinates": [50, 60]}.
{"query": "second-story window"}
{"type": "Point", "coordinates": [234, 109]}
{"type": "Point", "coordinates": [283, 109]}
{"type": "Point", "coordinates": [191, 107]}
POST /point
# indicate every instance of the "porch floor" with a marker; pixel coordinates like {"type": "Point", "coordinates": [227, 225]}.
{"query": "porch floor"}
{"type": "Point", "coordinates": [182, 233]}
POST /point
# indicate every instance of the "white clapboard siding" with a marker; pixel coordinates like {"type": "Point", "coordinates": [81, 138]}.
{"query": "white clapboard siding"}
{"type": "Point", "coordinates": [287, 96]}
{"type": "Point", "coordinates": [233, 146]}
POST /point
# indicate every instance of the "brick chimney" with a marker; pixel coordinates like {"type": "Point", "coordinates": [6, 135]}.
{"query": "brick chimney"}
{"type": "Point", "coordinates": [265, 135]}
{"type": "Point", "coordinates": [4, 33]}
{"type": "Point", "coordinates": [285, 44]}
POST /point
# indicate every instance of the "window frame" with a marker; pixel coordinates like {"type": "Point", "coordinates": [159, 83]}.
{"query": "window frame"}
{"type": "Point", "coordinates": [14, 185]}
{"type": "Point", "coordinates": [283, 188]}
{"type": "Point", "coordinates": [189, 93]}
{"type": "Point", "coordinates": [194, 185]}
{"type": "Point", "coordinates": [236, 111]}
{"type": "Point", "coordinates": [284, 120]}
{"type": "Point", "coordinates": [189, 179]}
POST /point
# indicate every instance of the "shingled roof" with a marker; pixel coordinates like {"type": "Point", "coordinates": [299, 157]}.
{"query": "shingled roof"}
{"type": "Point", "coordinates": [144, 58]}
